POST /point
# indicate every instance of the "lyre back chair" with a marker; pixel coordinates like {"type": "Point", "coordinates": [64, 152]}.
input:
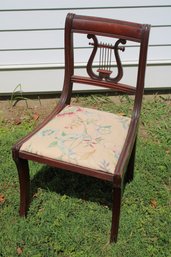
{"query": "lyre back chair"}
{"type": "Point", "coordinates": [83, 140]}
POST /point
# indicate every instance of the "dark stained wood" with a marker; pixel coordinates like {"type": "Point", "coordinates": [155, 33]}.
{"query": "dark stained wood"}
{"type": "Point", "coordinates": [107, 27]}
{"type": "Point", "coordinates": [24, 179]}
{"type": "Point", "coordinates": [116, 208]}
{"type": "Point", "coordinates": [101, 83]}
{"type": "Point", "coordinates": [119, 30]}
{"type": "Point", "coordinates": [67, 166]}
{"type": "Point", "coordinates": [130, 168]}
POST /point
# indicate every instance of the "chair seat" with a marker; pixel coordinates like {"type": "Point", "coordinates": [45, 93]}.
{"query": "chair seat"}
{"type": "Point", "coordinates": [81, 136]}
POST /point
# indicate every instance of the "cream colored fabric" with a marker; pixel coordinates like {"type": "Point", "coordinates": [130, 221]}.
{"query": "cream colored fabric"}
{"type": "Point", "coordinates": [81, 136]}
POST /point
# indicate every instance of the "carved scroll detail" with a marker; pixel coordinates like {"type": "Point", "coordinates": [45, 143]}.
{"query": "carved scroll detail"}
{"type": "Point", "coordinates": [106, 50]}
{"type": "Point", "coordinates": [90, 61]}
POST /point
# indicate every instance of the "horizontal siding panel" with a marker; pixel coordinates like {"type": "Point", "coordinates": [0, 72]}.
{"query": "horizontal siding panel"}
{"type": "Point", "coordinates": [20, 4]}
{"type": "Point", "coordinates": [149, 15]}
{"type": "Point", "coordinates": [32, 57]}
{"type": "Point", "coordinates": [81, 55]}
{"type": "Point", "coordinates": [160, 36]}
{"type": "Point", "coordinates": [32, 81]}
{"type": "Point", "coordinates": [130, 54]}
{"type": "Point", "coordinates": [52, 80]}
{"type": "Point", "coordinates": [55, 39]}
{"type": "Point", "coordinates": [31, 39]}
{"type": "Point", "coordinates": [28, 20]}
{"type": "Point", "coordinates": [38, 38]}
{"type": "Point", "coordinates": [159, 53]}
{"type": "Point", "coordinates": [56, 18]}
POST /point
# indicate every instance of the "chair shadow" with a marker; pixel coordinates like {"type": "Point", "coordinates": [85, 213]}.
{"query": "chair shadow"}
{"type": "Point", "coordinates": [72, 184]}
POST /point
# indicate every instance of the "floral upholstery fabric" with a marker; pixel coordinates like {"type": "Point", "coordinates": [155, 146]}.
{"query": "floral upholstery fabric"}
{"type": "Point", "coordinates": [82, 136]}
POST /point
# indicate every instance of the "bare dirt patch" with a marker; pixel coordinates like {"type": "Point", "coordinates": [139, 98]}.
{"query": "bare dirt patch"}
{"type": "Point", "coordinates": [22, 111]}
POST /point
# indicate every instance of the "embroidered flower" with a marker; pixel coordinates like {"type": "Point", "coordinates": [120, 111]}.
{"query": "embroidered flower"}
{"type": "Point", "coordinates": [104, 165]}
{"type": "Point", "coordinates": [47, 132]}
{"type": "Point", "coordinates": [104, 129]}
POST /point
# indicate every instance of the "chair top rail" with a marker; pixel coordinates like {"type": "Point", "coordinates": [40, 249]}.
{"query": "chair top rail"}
{"type": "Point", "coordinates": [107, 27]}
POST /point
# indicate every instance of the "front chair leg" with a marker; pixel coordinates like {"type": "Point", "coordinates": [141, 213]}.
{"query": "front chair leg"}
{"type": "Point", "coordinates": [130, 168]}
{"type": "Point", "coordinates": [117, 194]}
{"type": "Point", "coordinates": [24, 180]}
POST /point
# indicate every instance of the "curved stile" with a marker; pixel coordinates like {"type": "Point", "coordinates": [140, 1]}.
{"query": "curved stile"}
{"type": "Point", "coordinates": [120, 31]}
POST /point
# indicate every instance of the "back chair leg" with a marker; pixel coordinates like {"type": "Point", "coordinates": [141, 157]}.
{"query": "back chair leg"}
{"type": "Point", "coordinates": [130, 168]}
{"type": "Point", "coordinates": [24, 180]}
{"type": "Point", "coordinates": [117, 194]}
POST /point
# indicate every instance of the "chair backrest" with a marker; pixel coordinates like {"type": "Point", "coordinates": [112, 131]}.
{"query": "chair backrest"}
{"type": "Point", "coordinates": [121, 32]}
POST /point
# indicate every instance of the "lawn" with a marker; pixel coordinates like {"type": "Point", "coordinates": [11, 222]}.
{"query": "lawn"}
{"type": "Point", "coordinates": [70, 214]}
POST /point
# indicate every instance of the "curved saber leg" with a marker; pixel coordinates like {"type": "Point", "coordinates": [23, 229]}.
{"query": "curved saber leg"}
{"type": "Point", "coordinates": [24, 180]}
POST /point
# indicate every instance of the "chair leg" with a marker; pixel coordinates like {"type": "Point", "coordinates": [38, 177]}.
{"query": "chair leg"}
{"type": "Point", "coordinates": [24, 180]}
{"type": "Point", "coordinates": [117, 194]}
{"type": "Point", "coordinates": [130, 168]}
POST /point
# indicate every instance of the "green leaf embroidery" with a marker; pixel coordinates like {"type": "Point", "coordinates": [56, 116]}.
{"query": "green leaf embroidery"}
{"type": "Point", "coordinates": [63, 134]}
{"type": "Point", "coordinates": [53, 144]}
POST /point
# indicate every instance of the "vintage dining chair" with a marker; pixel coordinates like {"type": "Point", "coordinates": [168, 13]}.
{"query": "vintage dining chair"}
{"type": "Point", "coordinates": [84, 140]}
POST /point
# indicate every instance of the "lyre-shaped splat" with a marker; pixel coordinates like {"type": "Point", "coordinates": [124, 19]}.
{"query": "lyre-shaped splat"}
{"type": "Point", "coordinates": [105, 59]}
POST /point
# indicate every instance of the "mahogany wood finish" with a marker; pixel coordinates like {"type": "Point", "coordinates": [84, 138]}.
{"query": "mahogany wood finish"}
{"type": "Point", "coordinates": [117, 30]}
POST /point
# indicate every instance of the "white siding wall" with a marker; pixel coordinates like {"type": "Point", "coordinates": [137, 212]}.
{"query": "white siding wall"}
{"type": "Point", "coordinates": [31, 45]}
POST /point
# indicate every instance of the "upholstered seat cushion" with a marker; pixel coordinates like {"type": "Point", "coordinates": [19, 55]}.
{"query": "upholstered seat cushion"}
{"type": "Point", "coordinates": [81, 136]}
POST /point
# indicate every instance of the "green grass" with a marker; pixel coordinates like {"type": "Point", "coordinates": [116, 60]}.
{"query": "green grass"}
{"type": "Point", "coordinates": [70, 215]}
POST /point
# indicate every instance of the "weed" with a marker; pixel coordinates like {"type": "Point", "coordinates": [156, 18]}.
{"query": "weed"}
{"type": "Point", "coordinates": [17, 95]}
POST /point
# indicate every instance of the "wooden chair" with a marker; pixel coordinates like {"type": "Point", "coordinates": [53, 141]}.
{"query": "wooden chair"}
{"type": "Point", "coordinates": [83, 140]}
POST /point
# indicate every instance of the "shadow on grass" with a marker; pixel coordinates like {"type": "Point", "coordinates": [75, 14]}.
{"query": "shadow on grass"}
{"type": "Point", "coordinates": [73, 185]}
